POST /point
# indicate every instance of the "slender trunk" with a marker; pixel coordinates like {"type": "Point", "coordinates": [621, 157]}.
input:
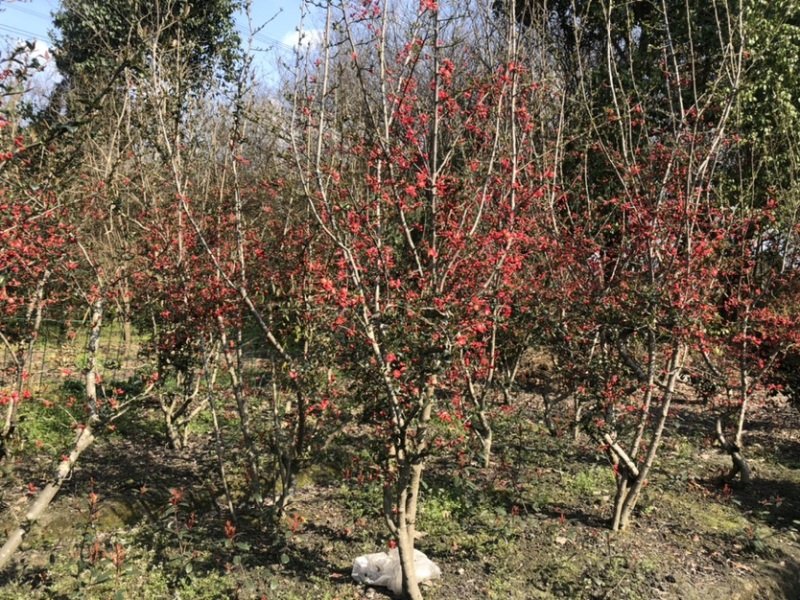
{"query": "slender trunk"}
{"type": "Point", "coordinates": [408, 532]}
{"type": "Point", "coordinates": [619, 501]}
{"type": "Point", "coordinates": [401, 516]}
{"type": "Point", "coordinates": [123, 302]}
{"type": "Point", "coordinates": [400, 512]}
{"type": "Point", "coordinates": [740, 466]}
{"type": "Point", "coordinates": [98, 308]}
{"type": "Point", "coordinates": [482, 424]}
{"type": "Point", "coordinates": [576, 426]}
{"type": "Point", "coordinates": [631, 496]}
{"type": "Point", "coordinates": [175, 438]}
{"type": "Point", "coordinates": [485, 435]}
{"type": "Point", "coordinates": [300, 431]}
{"type": "Point", "coordinates": [167, 402]}
{"type": "Point", "coordinates": [745, 383]}
{"type": "Point", "coordinates": [734, 448]}
{"type": "Point", "coordinates": [284, 451]}
{"type": "Point", "coordinates": [652, 345]}
{"type": "Point", "coordinates": [210, 356]}
{"type": "Point", "coordinates": [177, 415]}
{"type": "Point", "coordinates": [127, 313]}
{"type": "Point", "coordinates": [45, 496]}
{"type": "Point", "coordinates": [233, 362]}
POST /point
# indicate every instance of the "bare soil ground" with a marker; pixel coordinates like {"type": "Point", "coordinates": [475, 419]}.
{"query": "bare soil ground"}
{"type": "Point", "coordinates": [532, 526]}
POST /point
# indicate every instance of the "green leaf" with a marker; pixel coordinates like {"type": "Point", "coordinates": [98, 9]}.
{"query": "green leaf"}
{"type": "Point", "coordinates": [284, 559]}
{"type": "Point", "coordinates": [100, 577]}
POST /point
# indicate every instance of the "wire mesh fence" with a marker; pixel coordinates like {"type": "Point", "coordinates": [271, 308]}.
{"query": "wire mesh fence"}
{"type": "Point", "coordinates": [61, 350]}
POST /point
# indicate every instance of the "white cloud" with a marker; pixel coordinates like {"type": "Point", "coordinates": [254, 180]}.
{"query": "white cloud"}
{"type": "Point", "coordinates": [41, 52]}
{"type": "Point", "coordinates": [310, 38]}
{"type": "Point", "coordinates": [40, 66]}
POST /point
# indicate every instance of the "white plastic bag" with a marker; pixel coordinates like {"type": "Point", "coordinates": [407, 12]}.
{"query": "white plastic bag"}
{"type": "Point", "coordinates": [383, 570]}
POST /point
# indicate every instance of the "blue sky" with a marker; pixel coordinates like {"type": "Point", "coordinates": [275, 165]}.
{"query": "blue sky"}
{"type": "Point", "coordinates": [31, 20]}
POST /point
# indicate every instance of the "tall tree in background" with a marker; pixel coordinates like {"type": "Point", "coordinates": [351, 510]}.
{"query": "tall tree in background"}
{"type": "Point", "coordinates": [96, 37]}
{"type": "Point", "coordinates": [105, 50]}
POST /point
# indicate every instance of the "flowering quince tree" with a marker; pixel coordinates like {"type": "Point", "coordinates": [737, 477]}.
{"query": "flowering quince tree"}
{"type": "Point", "coordinates": [639, 234]}
{"type": "Point", "coordinates": [263, 258]}
{"type": "Point", "coordinates": [33, 245]}
{"type": "Point", "coordinates": [177, 294]}
{"type": "Point", "coordinates": [286, 268]}
{"type": "Point", "coordinates": [227, 249]}
{"type": "Point", "coordinates": [42, 261]}
{"type": "Point", "coordinates": [755, 326]}
{"type": "Point", "coordinates": [423, 177]}
{"type": "Point", "coordinates": [635, 293]}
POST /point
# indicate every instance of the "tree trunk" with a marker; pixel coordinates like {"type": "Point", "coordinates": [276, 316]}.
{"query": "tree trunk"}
{"type": "Point", "coordinates": [175, 437]}
{"type": "Point", "coordinates": [282, 450]}
{"type": "Point", "coordinates": [211, 355]}
{"type": "Point", "coordinates": [404, 523]}
{"type": "Point", "coordinates": [98, 308]}
{"type": "Point", "coordinates": [400, 513]}
{"type": "Point", "coordinates": [127, 326]}
{"type": "Point", "coordinates": [740, 466]}
{"type": "Point", "coordinates": [123, 302]}
{"type": "Point", "coordinates": [576, 425]}
{"type": "Point", "coordinates": [45, 496]}
{"type": "Point", "coordinates": [627, 497]}
{"type": "Point", "coordinates": [233, 361]}
{"type": "Point", "coordinates": [619, 500]}
{"type": "Point", "coordinates": [485, 436]}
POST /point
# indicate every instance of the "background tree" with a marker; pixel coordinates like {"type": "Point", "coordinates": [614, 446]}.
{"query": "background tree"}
{"type": "Point", "coordinates": [94, 38]}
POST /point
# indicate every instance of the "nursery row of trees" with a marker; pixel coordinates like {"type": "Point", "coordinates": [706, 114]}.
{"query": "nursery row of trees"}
{"type": "Point", "coordinates": [435, 189]}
